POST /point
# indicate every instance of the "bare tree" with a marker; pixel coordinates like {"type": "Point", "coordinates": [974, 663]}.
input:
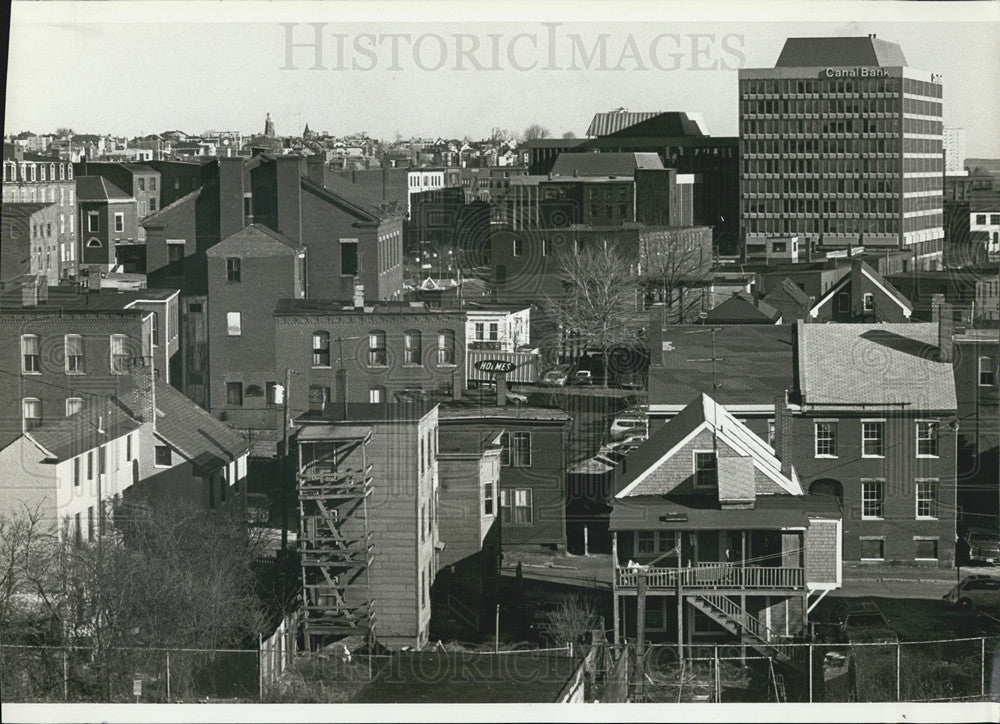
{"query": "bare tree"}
{"type": "Point", "coordinates": [673, 272]}
{"type": "Point", "coordinates": [571, 621]}
{"type": "Point", "coordinates": [500, 136]}
{"type": "Point", "coordinates": [597, 304]}
{"type": "Point", "coordinates": [535, 132]}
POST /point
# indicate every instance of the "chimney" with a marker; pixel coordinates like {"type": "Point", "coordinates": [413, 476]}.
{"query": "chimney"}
{"type": "Point", "coordinates": [359, 296]}
{"type": "Point", "coordinates": [315, 169]}
{"type": "Point", "coordinates": [342, 391]}
{"type": "Point", "coordinates": [946, 332]}
{"type": "Point", "coordinates": [783, 432]}
{"type": "Point", "coordinates": [231, 204]}
{"type": "Point", "coordinates": [937, 301]}
{"type": "Point", "coordinates": [809, 250]}
{"type": "Point", "coordinates": [857, 306]}
{"type": "Point", "coordinates": [289, 203]}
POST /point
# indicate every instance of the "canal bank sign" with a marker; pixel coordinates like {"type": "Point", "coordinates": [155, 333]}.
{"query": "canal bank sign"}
{"type": "Point", "coordinates": [857, 73]}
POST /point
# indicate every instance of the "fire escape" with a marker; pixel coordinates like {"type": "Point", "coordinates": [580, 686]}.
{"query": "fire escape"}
{"type": "Point", "coordinates": [335, 543]}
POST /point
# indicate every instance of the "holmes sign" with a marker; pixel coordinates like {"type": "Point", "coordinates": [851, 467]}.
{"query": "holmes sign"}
{"type": "Point", "coordinates": [496, 366]}
{"type": "Point", "coordinates": [857, 73]}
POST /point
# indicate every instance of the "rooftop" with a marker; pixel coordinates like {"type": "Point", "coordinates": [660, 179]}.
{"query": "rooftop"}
{"type": "Point", "coordinates": [473, 410]}
{"type": "Point", "coordinates": [647, 512]}
{"type": "Point", "coordinates": [659, 123]}
{"type": "Point", "coordinates": [742, 308]}
{"type": "Point", "coordinates": [864, 50]}
{"type": "Point", "coordinates": [75, 299]}
{"type": "Point", "coordinates": [98, 422]}
{"type": "Point", "coordinates": [365, 412]}
{"type": "Point", "coordinates": [299, 307]}
{"type": "Point", "coordinates": [876, 365]}
{"type": "Point", "coordinates": [255, 240]}
{"type": "Point", "coordinates": [98, 188]}
{"type": "Point", "coordinates": [604, 164]}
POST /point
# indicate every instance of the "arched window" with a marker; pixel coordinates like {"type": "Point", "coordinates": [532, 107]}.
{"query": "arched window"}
{"type": "Point", "coordinates": [376, 349]}
{"type": "Point", "coordinates": [412, 354]}
{"type": "Point", "coordinates": [321, 349]}
{"type": "Point", "coordinates": [446, 347]}
{"type": "Point", "coordinates": [94, 243]}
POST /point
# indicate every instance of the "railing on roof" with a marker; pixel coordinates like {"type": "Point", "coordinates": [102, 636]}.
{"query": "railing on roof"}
{"type": "Point", "coordinates": [714, 575]}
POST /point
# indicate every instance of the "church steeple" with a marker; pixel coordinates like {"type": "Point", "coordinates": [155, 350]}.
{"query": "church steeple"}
{"type": "Point", "coordinates": [306, 133]}
{"type": "Point", "coordinates": [268, 126]}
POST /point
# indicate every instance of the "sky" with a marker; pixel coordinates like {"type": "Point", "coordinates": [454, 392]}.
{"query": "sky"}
{"type": "Point", "coordinates": [138, 77]}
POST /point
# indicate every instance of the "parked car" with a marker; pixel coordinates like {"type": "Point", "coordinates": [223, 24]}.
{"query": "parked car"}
{"type": "Point", "coordinates": [516, 398]}
{"type": "Point", "coordinates": [984, 545]}
{"type": "Point", "coordinates": [853, 620]}
{"type": "Point", "coordinates": [976, 591]}
{"type": "Point", "coordinates": [583, 377]}
{"type": "Point", "coordinates": [629, 425]}
{"type": "Point", "coordinates": [555, 377]}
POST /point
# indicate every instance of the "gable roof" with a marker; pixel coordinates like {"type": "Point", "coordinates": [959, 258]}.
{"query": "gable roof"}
{"type": "Point", "coordinates": [356, 199]}
{"type": "Point", "coordinates": [604, 164]}
{"type": "Point", "coordinates": [98, 188]}
{"type": "Point", "coordinates": [791, 290]}
{"type": "Point", "coordinates": [652, 512]}
{"type": "Point", "coordinates": [704, 413]}
{"type": "Point", "coordinates": [891, 366]}
{"type": "Point", "coordinates": [741, 308]}
{"type": "Point", "coordinates": [874, 277]}
{"type": "Point", "coordinates": [66, 437]}
{"type": "Point", "coordinates": [839, 52]}
{"type": "Point", "coordinates": [193, 432]}
{"type": "Point", "coordinates": [255, 240]}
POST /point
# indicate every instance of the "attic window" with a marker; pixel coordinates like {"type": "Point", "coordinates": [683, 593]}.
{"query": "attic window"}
{"type": "Point", "coordinates": [705, 469]}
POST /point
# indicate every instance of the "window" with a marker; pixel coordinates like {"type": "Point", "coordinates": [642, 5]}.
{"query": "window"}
{"type": "Point", "coordinates": [412, 354]}
{"type": "Point", "coordinates": [872, 438]}
{"type": "Point", "coordinates": [102, 460]}
{"type": "Point", "coordinates": [645, 542]}
{"type": "Point", "coordinates": [152, 205]}
{"type": "Point", "coordinates": [162, 456]}
{"type": "Point", "coordinates": [926, 549]}
{"type": "Point", "coordinates": [376, 395]}
{"type": "Point", "coordinates": [141, 182]}
{"type": "Point", "coordinates": [128, 448]}
{"type": "Point", "coordinates": [770, 432]}
{"type": "Point", "coordinates": [74, 353]}
{"type": "Point", "coordinates": [516, 247]}
{"type": "Point", "coordinates": [93, 222]}
{"type": "Point", "coordinates": [194, 308]}
{"type": "Point", "coordinates": [515, 506]}
{"type": "Point", "coordinates": [234, 394]}
{"type": "Point", "coordinates": [655, 614]}
{"type": "Point", "coordinates": [480, 335]}
{"type": "Point", "coordinates": [234, 324]}
{"type": "Point", "coordinates": [79, 530]}
{"type": "Point", "coordinates": [119, 355]}
{"type": "Point", "coordinates": [76, 472]}
{"type": "Point", "coordinates": [446, 347]}
{"type": "Point", "coordinates": [826, 439]}
{"type": "Point", "coordinates": [175, 252]}
{"type": "Point", "coordinates": [73, 405]}
{"type": "Point", "coordinates": [119, 221]}
{"type": "Point", "coordinates": [321, 349]}
{"type": "Point", "coordinates": [271, 393]}
{"type": "Point", "coordinates": [94, 243]}
{"type": "Point", "coordinates": [981, 219]}
{"type": "Point", "coordinates": [927, 438]}
{"type": "Point", "coordinates": [376, 349]}
{"type": "Point", "coordinates": [488, 500]}
{"type": "Point", "coordinates": [843, 302]}
{"type": "Point", "coordinates": [869, 300]}
{"type": "Point", "coordinates": [872, 549]}
{"type": "Point", "coordinates": [155, 325]}
{"type": "Point", "coordinates": [705, 469]}
{"type": "Point", "coordinates": [31, 409]}
{"type": "Point", "coordinates": [516, 449]}
{"type": "Point", "coordinates": [349, 257]}
{"type": "Point", "coordinates": [90, 524]}
{"type": "Point", "coordinates": [233, 270]}
{"type": "Point", "coordinates": [987, 372]}
{"type": "Point", "coordinates": [927, 499]}
{"type": "Point", "coordinates": [30, 353]}
{"type": "Point", "coordinates": [872, 499]}
{"type": "Point", "coordinates": [90, 465]}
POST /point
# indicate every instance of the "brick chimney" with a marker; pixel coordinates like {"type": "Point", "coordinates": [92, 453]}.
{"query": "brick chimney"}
{"type": "Point", "coordinates": [783, 432]}
{"type": "Point", "coordinates": [937, 301]}
{"type": "Point", "coordinates": [289, 202]}
{"type": "Point", "coordinates": [857, 288]}
{"type": "Point", "coordinates": [231, 189]}
{"type": "Point", "coordinates": [946, 332]}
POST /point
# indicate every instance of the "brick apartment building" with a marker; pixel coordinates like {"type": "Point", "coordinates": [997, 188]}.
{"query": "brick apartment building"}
{"type": "Point", "coordinates": [107, 219]}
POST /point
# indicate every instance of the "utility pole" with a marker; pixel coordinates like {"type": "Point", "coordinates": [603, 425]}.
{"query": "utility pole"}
{"type": "Point", "coordinates": [640, 628]}
{"type": "Point", "coordinates": [287, 462]}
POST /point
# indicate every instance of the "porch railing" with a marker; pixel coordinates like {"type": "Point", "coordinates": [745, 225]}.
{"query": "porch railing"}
{"type": "Point", "coordinates": [709, 576]}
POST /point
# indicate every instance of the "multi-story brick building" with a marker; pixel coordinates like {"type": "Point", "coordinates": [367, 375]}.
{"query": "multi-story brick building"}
{"type": "Point", "coordinates": [387, 350]}
{"type": "Point", "coordinates": [33, 179]}
{"type": "Point", "coordinates": [871, 420]}
{"type": "Point", "coordinates": [535, 440]}
{"type": "Point", "coordinates": [248, 273]}
{"type": "Point", "coordinates": [32, 242]}
{"type": "Point", "coordinates": [141, 181]}
{"type": "Point", "coordinates": [367, 480]}
{"type": "Point", "coordinates": [107, 218]}
{"type": "Point", "coordinates": [841, 143]}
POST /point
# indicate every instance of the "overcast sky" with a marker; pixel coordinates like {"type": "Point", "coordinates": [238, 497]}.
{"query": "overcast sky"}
{"type": "Point", "coordinates": [138, 78]}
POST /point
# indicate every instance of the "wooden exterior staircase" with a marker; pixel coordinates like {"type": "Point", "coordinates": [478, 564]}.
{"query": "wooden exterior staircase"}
{"type": "Point", "coordinates": [731, 616]}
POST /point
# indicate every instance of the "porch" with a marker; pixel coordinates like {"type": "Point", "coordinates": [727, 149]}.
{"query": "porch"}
{"type": "Point", "coordinates": [710, 576]}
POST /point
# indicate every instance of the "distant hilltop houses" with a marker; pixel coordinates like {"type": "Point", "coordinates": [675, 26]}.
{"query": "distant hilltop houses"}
{"type": "Point", "coordinates": [343, 152]}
